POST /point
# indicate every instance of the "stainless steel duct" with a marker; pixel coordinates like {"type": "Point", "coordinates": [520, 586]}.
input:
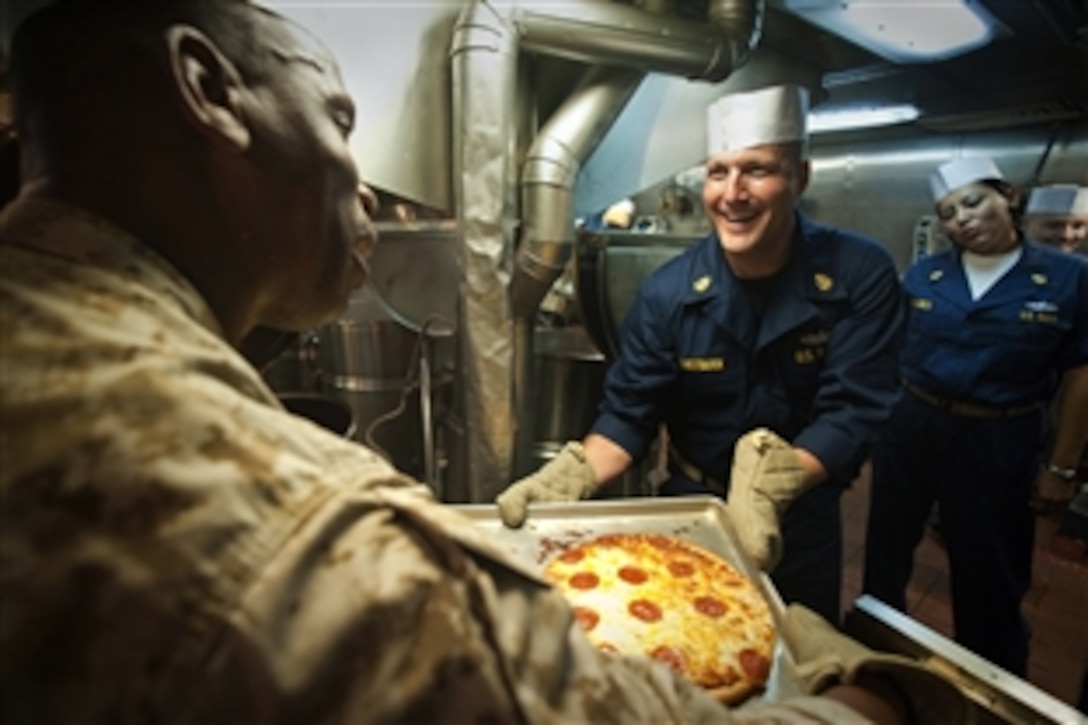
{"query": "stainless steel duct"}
{"type": "Point", "coordinates": [484, 69]}
{"type": "Point", "coordinates": [623, 35]}
{"type": "Point", "coordinates": [496, 326]}
{"type": "Point", "coordinates": [551, 167]}
{"type": "Point", "coordinates": [546, 235]}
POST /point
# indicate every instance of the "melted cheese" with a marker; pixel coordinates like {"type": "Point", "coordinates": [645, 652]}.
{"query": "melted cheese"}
{"type": "Point", "coordinates": [710, 646]}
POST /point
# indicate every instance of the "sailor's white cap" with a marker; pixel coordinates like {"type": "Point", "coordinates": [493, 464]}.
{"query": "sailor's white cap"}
{"type": "Point", "coordinates": [776, 114]}
{"type": "Point", "coordinates": [1058, 199]}
{"type": "Point", "coordinates": [960, 172]}
{"type": "Point", "coordinates": [620, 214]}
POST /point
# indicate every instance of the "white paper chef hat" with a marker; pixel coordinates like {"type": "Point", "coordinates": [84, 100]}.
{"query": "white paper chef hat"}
{"type": "Point", "coordinates": [960, 172]}
{"type": "Point", "coordinates": [776, 114]}
{"type": "Point", "coordinates": [1058, 199]}
{"type": "Point", "coordinates": [620, 214]}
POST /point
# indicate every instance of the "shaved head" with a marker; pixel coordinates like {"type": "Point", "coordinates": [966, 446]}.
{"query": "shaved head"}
{"type": "Point", "coordinates": [85, 51]}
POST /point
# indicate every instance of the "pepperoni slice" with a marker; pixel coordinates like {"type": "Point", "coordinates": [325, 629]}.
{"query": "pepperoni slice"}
{"type": "Point", "coordinates": [710, 606]}
{"type": "Point", "coordinates": [659, 542]}
{"type": "Point", "coordinates": [645, 610]}
{"type": "Point", "coordinates": [573, 556]}
{"type": "Point", "coordinates": [681, 568]}
{"type": "Point", "coordinates": [587, 618]}
{"type": "Point", "coordinates": [633, 575]}
{"type": "Point", "coordinates": [585, 580]}
{"type": "Point", "coordinates": [755, 665]}
{"type": "Point", "coordinates": [671, 656]}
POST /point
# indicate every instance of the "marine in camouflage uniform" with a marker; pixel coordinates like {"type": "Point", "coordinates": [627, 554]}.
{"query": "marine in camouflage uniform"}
{"type": "Point", "coordinates": [176, 547]}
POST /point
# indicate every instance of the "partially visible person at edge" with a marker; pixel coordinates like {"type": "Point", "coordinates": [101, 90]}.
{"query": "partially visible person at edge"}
{"type": "Point", "coordinates": [1057, 215]}
{"type": "Point", "coordinates": [772, 334]}
{"type": "Point", "coordinates": [994, 326]}
{"type": "Point", "coordinates": [178, 548]}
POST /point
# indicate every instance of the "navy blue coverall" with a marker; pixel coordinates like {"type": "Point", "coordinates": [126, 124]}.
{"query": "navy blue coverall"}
{"type": "Point", "coordinates": [969, 432]}
{"type": "Point", "coordinates": [819, 367]}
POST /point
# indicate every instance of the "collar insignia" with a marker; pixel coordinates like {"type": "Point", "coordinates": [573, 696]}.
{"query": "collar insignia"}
{"type": "Point", "coordinates": [936, 275]}
{"type": "Point", "coordinates": [702, 284]}
{"type": "Point", "coordinates": [823, 282]}
{"type": "Point", "coordinates": [1039, 278]}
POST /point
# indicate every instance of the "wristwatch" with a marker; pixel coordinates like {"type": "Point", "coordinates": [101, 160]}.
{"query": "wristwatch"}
{"type": "Point", "coordinates": [1069, 474]}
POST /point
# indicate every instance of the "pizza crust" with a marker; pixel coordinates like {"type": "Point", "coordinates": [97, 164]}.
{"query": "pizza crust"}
{"type": "Point", "coordinates": [734, 694]}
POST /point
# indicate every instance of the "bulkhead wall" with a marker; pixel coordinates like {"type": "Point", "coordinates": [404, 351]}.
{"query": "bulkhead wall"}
{"type": "Point", "coordinates": [880, 186]}
{"type": "Point", "coordinates": [394, 58]}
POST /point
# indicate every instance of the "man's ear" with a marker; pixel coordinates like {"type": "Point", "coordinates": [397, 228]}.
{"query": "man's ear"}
{"type": "Point", "coordinates": [803, 175]}
{"type": "Point", "coordinates": [1015, 197]}
{"type": "Point", "coordinates": [208, 85]}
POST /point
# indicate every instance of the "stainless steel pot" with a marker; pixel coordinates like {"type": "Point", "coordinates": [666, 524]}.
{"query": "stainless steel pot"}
{"type": "Point", "coordinates": [568, 380]}
{"type": "Point", "coordinates": [369, 365]}
{"type": "Point", "coordinates": [372, 362]}
{"type": "Point", "coordinates": [378, 351]}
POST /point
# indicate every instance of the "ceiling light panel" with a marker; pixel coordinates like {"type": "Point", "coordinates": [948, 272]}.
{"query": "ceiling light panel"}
{"type": "Point", "coordinates": [904, 31]}
{"type": "Point", "coordinates": [851, 118]}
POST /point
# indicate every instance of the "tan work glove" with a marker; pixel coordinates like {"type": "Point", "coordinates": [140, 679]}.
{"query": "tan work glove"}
{"type": "Point", "coordinates": [567, 477]}
{"type": "Point", "coordinates": [825, 657]}
{"type": "Point", "coordinates": [767, 475]}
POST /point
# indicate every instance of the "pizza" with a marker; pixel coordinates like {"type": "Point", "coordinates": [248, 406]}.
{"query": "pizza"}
{"type": "Point", "coordinates": [666, 598]}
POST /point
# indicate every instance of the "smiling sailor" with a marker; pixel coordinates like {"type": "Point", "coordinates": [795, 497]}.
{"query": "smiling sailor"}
{"type": "Point", "coordinates": [1057, 214]}
{"type": "Point", "coordinates": [768, 349]}
{"type": "Point", "coordinates": [994, 324]}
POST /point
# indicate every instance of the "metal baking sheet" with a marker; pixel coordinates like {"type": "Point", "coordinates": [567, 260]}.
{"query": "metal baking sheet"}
{"type": "Point", "coordinates": [702, 520]}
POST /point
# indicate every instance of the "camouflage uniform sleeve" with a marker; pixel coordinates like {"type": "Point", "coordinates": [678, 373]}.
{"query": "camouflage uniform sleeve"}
{"type": "Point", "coordinates": [373, 611]}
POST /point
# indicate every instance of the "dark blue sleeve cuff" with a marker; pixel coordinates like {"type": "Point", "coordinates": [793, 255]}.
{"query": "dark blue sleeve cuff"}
{"type": "Point", "coordinates": [628, 435]}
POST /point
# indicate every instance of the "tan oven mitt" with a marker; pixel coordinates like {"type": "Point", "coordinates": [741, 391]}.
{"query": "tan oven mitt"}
{"type": "Point", "coordinates": [767, 475]}
{"type": "Point", "coordinates": [567, 477]}
{"type": "Point", "coordinates": [826, 657]}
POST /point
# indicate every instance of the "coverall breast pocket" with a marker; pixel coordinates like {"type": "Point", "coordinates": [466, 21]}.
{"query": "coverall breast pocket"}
{"type": "Point", "coordinates": [708, 389]}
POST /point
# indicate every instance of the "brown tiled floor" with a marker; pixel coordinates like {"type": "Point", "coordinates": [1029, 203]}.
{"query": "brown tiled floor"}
{"type": "Point", "coordinates": [1056, 607]}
